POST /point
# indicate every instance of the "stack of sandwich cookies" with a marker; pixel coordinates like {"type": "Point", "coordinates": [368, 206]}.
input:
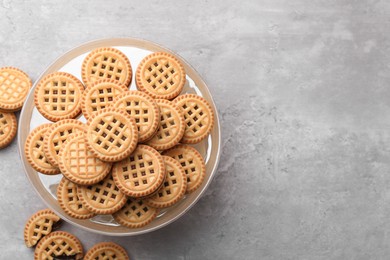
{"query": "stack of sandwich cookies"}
{"type": "Point", "coordinates": [14, 87]}
{"type": "Point", "coordinates": [112, 164]}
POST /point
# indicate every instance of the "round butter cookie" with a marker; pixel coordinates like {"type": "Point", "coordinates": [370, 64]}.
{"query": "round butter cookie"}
{"type": "Point", "coordinates": [39, 225]}
{"type": "Point", "coordinates": [192, 162]}
{"type": "Point", "coordinates": [171, 129]}
{"type": "Point", "coordinates": [143, 109]}
{"type": "Point", "coordinates": [34, 150]}
{"type": "Point", "coordinates": [69, 201]}
{"type": "Point", "coordinates": [103, 197]}
{"type": "Point", "coordinates": [135, 214]}
{"type": "Point", "coordinates": [106, 250]}
{"type": "Point", "coordinates": [58, 245]}
{"type": "Point", "coordinates": [111, 134]}
{"type": "Point", "coordinates": [56, 135]}
{"type": "Point", "coordinates": [106, 63]}
{"type": "Point", "coordinates": [58, 96]}
{"type": "Point", "coordinates": [161, 75]}
{"type": "Point", "coordinates": [14, 87]}
{"type": "Point", "coordinates": [141, 173]}
{"type": "Point", "coordinates": [100, 95]}
{"type": "Point", "coordinates": [8, 127]}
{"type": "Point", "coordinates": [174, 186]}
{"type": "Point", "coordinates": [198, 116]}
{"type": "Point", "coordinates": [80, 165]}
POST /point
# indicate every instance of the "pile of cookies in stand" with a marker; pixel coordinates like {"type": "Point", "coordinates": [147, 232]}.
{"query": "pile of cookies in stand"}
{"type": "Point", "coordinates": [132, 156]}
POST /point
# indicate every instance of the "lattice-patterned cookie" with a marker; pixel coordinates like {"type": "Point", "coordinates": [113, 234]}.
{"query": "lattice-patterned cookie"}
{"type": "Point", "coordinates": [135, 214]}
{"type": "Point", "coordinates": [39, 225]}
{"type": "Point", "coordinates": [56, 135]}
{"type": "Point", "coordinates": [192, 163]}
{"type": "Point", "coordinates": [34, 151]}
{"type": "Point", "coordinates": [58, 245]}
{"type": "Point", "coordinates": [8, 127]}
{"type": "Point", "coordinates": [106, 251]}
{"type": "Point", "coordinates": [106, 63]}
{"type": "Point", "coordinates": [14, 87]}
{"type": "Point", "coordinates": [171, 129]}
{"type": "Point", "coordinates": [111, 134]}
{"type": "Point", "coordinates": [79, 164]}
{"type": "Point", "coordinates": [100, 95]}
{"type": "Point", "coordinates": [103, 197]}
{"type": "Point", "coordinates": [58, 96]}
{"type": "Point", "coordinates": [69, 201]}
{"type": "Point", "coordinates": [173, 188]}
{"type": "Point", "coordinates": [141, 173]}
{"type": "Point", "coordinates": [161, 75]}
{"type": "Point", "coordinates": [143, 109]}
{"type": "Point", "coordinates": [198, 115]}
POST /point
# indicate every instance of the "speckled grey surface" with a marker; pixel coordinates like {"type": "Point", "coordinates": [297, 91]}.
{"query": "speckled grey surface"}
{"type": "Point", "coordinates": [302, 88]}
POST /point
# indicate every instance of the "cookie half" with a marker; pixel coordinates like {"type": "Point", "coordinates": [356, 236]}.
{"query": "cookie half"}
{"type": "Point", "coordinates": [8, 128]}
{"type": "Point", "coordinates": [143, 109]}
{"type": "Point", "coordinates": [161, 75]}
{"type": "Point", "coordinates": [106, 250]}
{"type": "Point", "coordinates": [171, 129]}
{"type": "Point", "coordinates": [59, 244]}
{"type": "Point", "coordinates": [174, 186]}
{"type": "Point", "coordinates": [106, 63]}
{"type": "Point", "coordinates": [100, 95]}
{"type": "Point", "coordinates": [103, 197]}
{"type": "Point", "coordinates": [135, 214]}
{"type": "Point", "coordinates": [198, 116]}
{"type": "Point", "coordinates": [56, 135]}
{"type": "Point", "coordinates": [39, 225]}
{"type": "Point", "coordinates": [141, 173]}
{"type": "Point", "coordinates": [79, 164]}
{"type": "Point", "coordinates": [58, 96]}
{"type": "Point", "coordinates": [14, 88]}
{"type": "Point", "coordinates": [192, 162]}
{"type": "Point", "coordinates": [69, 201]}
{"type": "Point", "coordinates": [34, 150]}
{"type": "Point", "coordinates": [111, 134]}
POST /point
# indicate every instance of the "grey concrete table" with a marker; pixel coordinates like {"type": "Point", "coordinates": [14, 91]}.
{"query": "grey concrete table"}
{"type": "Point", "coordinates": [302, 88]}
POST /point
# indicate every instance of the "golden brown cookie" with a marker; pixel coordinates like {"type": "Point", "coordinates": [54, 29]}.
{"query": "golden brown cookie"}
{"type": "Point", "coordinates": [103, 197]}
{"type": "Point", "coordinates": [192, 163]}
{"type": "Point", "coordinates": [39, 225]}
{"type": "Point", "coordinates": [100, 95]}
{"type": "Point", "coordinates": [106, 250]}
{"type": "Point", "coordinates": [58, 244]}
{"type": "Point", "coordinates": [135, 214]}
{"type": "Point", "coordinates": [198, 116]}
{"type": "Point", "coordinates": [8, 127]}
{"type": "Point", "coordinates": [34, 151]}
{"type": "Point", "coordinates": [106, 63]}
{"type": "Point", "coordinates": [80, 165]}
{"type": "Point", "coordinates": [69, 201]}
{"type": "Point", "coordinates": [161, 75]}
{"type": "Point", "coordinates": [173, 188]}
{"type": "Point", "coordinates": [143, 109]}
{"type": "Point", "coordinates": [171, 129]}
{"type": "Point", "coordinates": [14, 87]}
{"type": "Point", "coordinates": [56, 135]}
{"type": "Point", "coordinates": [58, 96]}
{"type": "Point", "coordinates": [141, 173]}
{"type": "Point", "coordinates": [111, 134]}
